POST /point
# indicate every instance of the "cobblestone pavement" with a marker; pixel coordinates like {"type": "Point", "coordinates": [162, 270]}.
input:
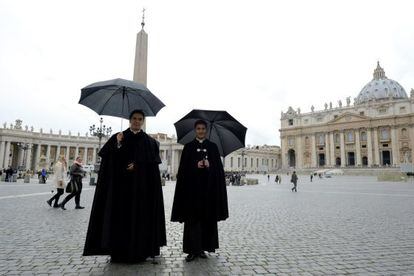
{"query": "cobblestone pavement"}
{"type": "Point", "coordinates": [337, 226]}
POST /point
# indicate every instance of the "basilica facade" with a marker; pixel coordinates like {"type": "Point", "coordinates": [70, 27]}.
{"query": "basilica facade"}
{"type": "Point", "coordinates": [375, 130]}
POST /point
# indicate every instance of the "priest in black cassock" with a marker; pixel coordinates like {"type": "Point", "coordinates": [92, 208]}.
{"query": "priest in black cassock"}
{"type": "Point", "coordinates": [200, 199]}
{"type": "Point", "coordinates": [127, 219]}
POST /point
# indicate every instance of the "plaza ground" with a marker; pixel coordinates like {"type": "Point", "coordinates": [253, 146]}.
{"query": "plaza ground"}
{"type": "Point", "coordinates": [337, 226]}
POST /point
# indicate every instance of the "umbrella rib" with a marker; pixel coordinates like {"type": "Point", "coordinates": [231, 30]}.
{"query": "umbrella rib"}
{"type": "Point", "coordinates": [106, 102]}
{"type": "Point", "coordinates": [221, 139]}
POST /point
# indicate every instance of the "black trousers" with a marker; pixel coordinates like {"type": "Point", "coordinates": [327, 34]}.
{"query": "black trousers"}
{"type": "Point", "coordinates": [200, 236]}
{"type": "Point", "coordinates": [75, 194]}
{"type": "Point", "coordinates": [56, 197]}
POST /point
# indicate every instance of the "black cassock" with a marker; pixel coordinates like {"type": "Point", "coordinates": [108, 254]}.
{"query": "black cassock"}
{"type": "Point", "coordinates": [127, 218]}
{"type": "Point", "coordinates": [200, 198]}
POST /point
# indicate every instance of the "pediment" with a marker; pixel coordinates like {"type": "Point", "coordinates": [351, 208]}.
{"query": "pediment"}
{"type": "Point", "coordinates": [349, 118]}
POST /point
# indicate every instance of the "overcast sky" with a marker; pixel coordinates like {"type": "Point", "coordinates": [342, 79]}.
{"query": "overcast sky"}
{"type": "Point", "coordinates": [251, 58]}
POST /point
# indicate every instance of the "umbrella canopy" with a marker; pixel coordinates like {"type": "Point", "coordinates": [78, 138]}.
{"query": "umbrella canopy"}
{"type": "Point", "coordinates": [119, 97]}
{"type": "Point", "coordinates": [223, 129]}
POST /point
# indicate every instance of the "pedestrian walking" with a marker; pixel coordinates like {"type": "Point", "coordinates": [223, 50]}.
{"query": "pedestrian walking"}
{"type": "Point", "coordinates": [268, 177]}
{"type": "Point", "coordinates": [277, 179]}
{"type": "Point", "coordinates": [311, 177]}
{"type": "Point", "coordinates": [294, 180]}
{"type": "Point", "coordinates": [76, 174]}
{"type": "Point", "coordinates": [59, 177]}
{"type": "Point", "coordinates": [43, 175]}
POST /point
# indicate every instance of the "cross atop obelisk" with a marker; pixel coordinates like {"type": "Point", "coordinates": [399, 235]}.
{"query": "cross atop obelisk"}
{"type": "Point", "coordinates": [141, 54]}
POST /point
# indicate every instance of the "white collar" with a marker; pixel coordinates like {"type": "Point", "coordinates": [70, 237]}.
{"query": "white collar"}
{"type": "Point", "coordinates": [200, 140]}
{"type": "Point", "coordinates": [135, 132]}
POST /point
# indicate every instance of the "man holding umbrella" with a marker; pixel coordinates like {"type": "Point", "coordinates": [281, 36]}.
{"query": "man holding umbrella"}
{"type": "Point", "coordinates": [200, 199]}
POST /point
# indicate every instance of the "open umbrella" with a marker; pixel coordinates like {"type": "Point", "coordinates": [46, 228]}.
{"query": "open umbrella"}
{"type": "Point", "coordinates": [119, 97]}
{"type": "Point", "coordinates": [223, 129]}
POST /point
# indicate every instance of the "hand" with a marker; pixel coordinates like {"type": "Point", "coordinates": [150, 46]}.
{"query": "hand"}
{"type": "Point", "coordinates": [131, 167]}
{"type": "Point", "coordinates": [206, 163]}
{"type": "Point", "coordinates": [119, 137]}
{"type": "Point", "coordinates": [200, 164]}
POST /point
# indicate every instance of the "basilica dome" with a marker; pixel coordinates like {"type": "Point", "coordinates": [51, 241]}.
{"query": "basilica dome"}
{"type": "Point", "coordinates": [381, 87]}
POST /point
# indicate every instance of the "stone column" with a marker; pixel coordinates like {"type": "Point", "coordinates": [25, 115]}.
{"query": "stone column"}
{"type": "Point", "coordinates": [172, 161]}
{"type": "Point", "coordinates": [85, 155]}
{"type": "Point", "coordinates": [20, 156]}
{"type": "Point", "coordinates": [313, 150]}
{"type": "Point", "coordinates": [394, 145]}
{"type": "Point", "coordinates": [94, 155]}
{"type": "Point", "coordinates": [7, 154]}
{"type": "Point", "coordinates": [28, 161]}
{"type": "Point", "coordinates": [299, 154]}
{"type": "Point", "coordinates": [369, 148]}
{"type": "Point", "coordinates": [332, 151]}
{"type": "Point", "coordinates": [342, 139]}
{"type": "Point", "coordinates": [76, 152]}
{"type": "Point", "coordinates": [376, 147]}
{"type": "Point", "coordinates": [2, 149]}
{"type": "Point", "coordinates": [37, 157]}
{"type": "Point", "coordinates": [358, 148]}
{"type": "Point", "coordinates": [57, 152]}
{"type": "Point", "coordinates": [48, 156]}
{"type": "Point", "coordinates": [327, 150]}
{"type": "Point", "coordinates": [284, 153]}
{"type": "Point", "coordinates": [67, 154]}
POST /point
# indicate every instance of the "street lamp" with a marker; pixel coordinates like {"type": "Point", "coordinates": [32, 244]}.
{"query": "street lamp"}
{"type": "Point", "coordinates": [101, 132]}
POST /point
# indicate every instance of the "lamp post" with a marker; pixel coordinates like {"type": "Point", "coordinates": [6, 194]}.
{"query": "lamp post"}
{"type": "Point", "coordinates": [101, 132]}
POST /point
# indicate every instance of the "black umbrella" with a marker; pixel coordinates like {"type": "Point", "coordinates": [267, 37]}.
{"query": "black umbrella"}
{"type": "Point", "coordinates": [223, 129]}
{"type": "Point", "coordinates": [119, 97]}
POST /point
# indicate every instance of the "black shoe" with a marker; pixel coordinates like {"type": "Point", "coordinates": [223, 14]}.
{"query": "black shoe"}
{"type": "Point", "coordinates": [202, 255]}
{"type": "Point", "coordinates": [56, 206]}
{"type": "Point", "coordinates": [190, 257]}
{"type": "Point", "coordinates": [49, 202]}
{"type": "Point", "coordinates": [79, 207]}
{"type": "Point", "coordinates": [62, 206]}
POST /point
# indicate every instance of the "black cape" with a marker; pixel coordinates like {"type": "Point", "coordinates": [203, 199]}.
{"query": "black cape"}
{"type": "Point", "coordinates": [127, 218]}
{"type": "Point", "coordinates": [200, 194]}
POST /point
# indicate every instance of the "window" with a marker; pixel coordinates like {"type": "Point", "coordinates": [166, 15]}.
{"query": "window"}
{"type": "Point", "coordinates": [363, 136]}
{"type": "Point", "coordinates": [321, 139]}
{"type": "Point", "coordinates": [384, 134]}
{"type": "Point", "coordinates": [306, 121]}
{"type": "Point", "coordinates": [402, 109]}
{"type": "Point", "coordinates": [291, 141]}
{"type": "Point", "coordinates": [238, 162]}
{"type": "Point", "coordinates": [337, 139]}
{"type": "Point", "coordinates": [382, 110]}
{"type": "Point", "coordinates": [291, 122]}
{"type": "Point", "coordinates": [404, 133]}
{"type": "Point", "coordinates": [350, 136]}
{"type": "Point", "coordinates": [251, 162]}
{"type": "Point", "coordinates": [319, 119]}
{"type": "Point", "coordinates": [307, 141]}
{"type": "Point", "coordinates": [335, 116]}
{"type": "Point", "coordinates": [362, 113]}
{"type": "Point", "coordinates": [231, 162]}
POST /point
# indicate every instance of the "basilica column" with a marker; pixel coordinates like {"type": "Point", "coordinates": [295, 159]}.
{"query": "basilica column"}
{"type": "Point", "coordinates": [369, 147]}
{"type": "Point", "coordinates": [394, 145]}
{"type": "Point", "coordinates": [172, 161]}
{"type": "Point", "coordinates": [7, 154]}
{"type": "Point", "coordinates": [2, 149]}
{"type": "Point", "coordinates": [37, 156]}
{"type": "Point", "coordinates": [67, 153]}
{"type": "Point", "coordinates": [358, 148]}
{"type": "Point", "coordinates": [332, 150]}
{"type": "Point", "coordinates": [28, 161]}
{"type": "Point", "coordinates": [76, 152]}
{"type": "Point", "coordinates": [376, 147]}
{"type": "Point", "coordinates": [327, 150]}
{"type": "Point", "coordinates": [48, 156]}
{"type": "Point", "coordinates": [85, 155]}
{"type": "Point", "coordinates": [57, 152]}
{"type": "Point", "coordinates": [93, 155]}
{"type": "Point", "coordinates": [299, 154]}
{"type": "Point", "coordinates": [313, 150]}
{"type": "Point", "coordinates": [342, 139]}
{"type": "Point", "coordinates": [283, 153]}
{"type": "Point", "coordinates": [20, 156]}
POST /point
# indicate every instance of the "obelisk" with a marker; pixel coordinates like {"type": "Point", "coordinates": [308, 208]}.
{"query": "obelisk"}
{"type": "Point", "coordinates": [141, 54]}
